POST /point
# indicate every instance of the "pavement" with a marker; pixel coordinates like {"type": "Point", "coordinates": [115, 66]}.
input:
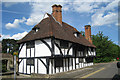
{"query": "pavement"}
{"type": "Point", "coordinates": [101, 70]}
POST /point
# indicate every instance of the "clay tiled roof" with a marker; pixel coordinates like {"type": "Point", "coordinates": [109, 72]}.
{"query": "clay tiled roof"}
{"type": "Point", "coordinates": [49, 27]}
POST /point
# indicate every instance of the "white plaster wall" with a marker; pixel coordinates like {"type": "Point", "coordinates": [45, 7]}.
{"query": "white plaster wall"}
{"type": "Point", "coordinates": [28, 52]}
{"type": "Point", "coordinates": [53, 66]}
{"type": "Point", "coordinates": [32, 52]}
{"type": "Point", "coordinates": [24, 65]}
{"type": "Point", "coordinates": [94, 53]}
{"type": "Point", "coordinates": [73, 63]}
{"type": "Point", "coordinates": [50, 67]}
{"type": "Point", "coordinates": [21, 66]}
{"type": "Point", "coordinates": [42, 68]}
{"type": "Point", "coordinates": [64, 51]}
{"type": "Point", "coordinates": [28, 69]}
{"type": "Point", "coordinates": [80, 65]}
{"type": "Point", "coordinates": [60, 69]}
{"type": "Point", "coordinates": [57, 70]}
{"type": "Point", "coordinates": [32, 69]}
{"type": "Point", "coordinates": [23, 51]}
{"type": "Point", "coordinates": [35, 65]}
{"type": "Point", "coordinates": [70, 65]}
{"type": "Point", "coordinates": [57, 52]}
{"type": "Point", "coordinates": [67, 64]}
{"type": "Point", "coordinates": [64, 64]}
{"type": "Point", "coordinates": [41, 49]}
{"type": "Point", "coordinates": [71, 51]}
{"type": "Point", "coordinates": [89, 53]}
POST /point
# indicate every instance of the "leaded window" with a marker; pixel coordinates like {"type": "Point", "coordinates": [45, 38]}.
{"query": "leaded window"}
{"type": "Point", "coordinates": [64, 44]}
{"type": "Point", "coordinates": [30, 44]}
{"type": "Point", "coordinates": [30, 62]}
{"type": "Point", "coordinates": [58, 62]}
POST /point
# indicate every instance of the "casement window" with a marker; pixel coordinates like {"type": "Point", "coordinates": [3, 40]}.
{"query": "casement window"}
{"type": "Point", "coordinates": [89, 59]}
{"type": "Point", "coordinates": [92, 49]}
{"type": "Point", "coordinates": [58, 62]}
{"type": "Point", "coordinates": [30, 44]}
{"type": "Point", "coordinates": [30, 62]}
{"type": "Point", "coordinates": [35, 29]}
{"type": "Point", "coordinates": [80, 60]}
{"type": "Point", "coordinates": [77, 34]}
{"type": "Point", "coordinates": [64, 44]}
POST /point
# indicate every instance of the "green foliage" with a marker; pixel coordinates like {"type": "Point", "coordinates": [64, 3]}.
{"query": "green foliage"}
{"type": "Point", "coordinates": [106, 50]}
{"type": "Point", "coordinates": [11, 44]}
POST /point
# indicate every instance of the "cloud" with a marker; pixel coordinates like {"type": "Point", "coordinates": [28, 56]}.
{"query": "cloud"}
{"type": "Point", "coordinates": [94, 7]}
{"type": "Point", "coordinates": [85, 7]}
{"type": "Point", "coordinates": [100, 19]}
{"type": "Point", "coordinates": [15, 24]}
{"type": "Point", "coordinates": [15, 36]}
{"type": "Point", "coordinates": [105, 15]}
{"type": "Point", "coordinates": [18, 35]}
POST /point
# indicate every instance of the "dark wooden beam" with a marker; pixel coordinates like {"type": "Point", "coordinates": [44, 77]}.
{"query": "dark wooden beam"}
{"type": "Point", "coordinates": [72, 63]}
{"type": "Point", "coordinates": [37, 66]}
{"type": "Point", "coordinates": [52, 44]}
{"type": "Point", "coordinates": [59, 48]}
{"type": "Point", "coordinates": [69, 49]}
{"type": "Point", "coordinates": [47, 46]}
{"type": "Point", "coordinates": [23, 66]}
{"type": "Point", "coordinates": [30, 64]}
{"type": "Point", "coordinates": [43, 63]}
{"type": "Point", "coordinates": [47, 61]}
{"type": "Point", "coordinates": [18, 55]}
{"type": "Point", "coordinates": [26, 59]}
{"type": "Point", "coordinates": [34, 60]}
{"type": "Point", "coordinates": [21, 48]}
{"type": "Point", "coordinates": [68, 63]}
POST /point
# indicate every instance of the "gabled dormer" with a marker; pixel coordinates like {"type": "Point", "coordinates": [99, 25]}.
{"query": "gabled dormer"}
{"type": "Point", "coordinates": [76, 34]}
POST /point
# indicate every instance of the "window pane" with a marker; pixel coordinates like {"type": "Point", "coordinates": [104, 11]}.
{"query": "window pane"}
{"type": "Point", "coordinates": [30, 61]}
{"type": "Point", "coordinates": [30, 44]}
{"type": "Point", "coordinates": [58, 62]}
{"type": "Point", "coordinates": [63, 44]}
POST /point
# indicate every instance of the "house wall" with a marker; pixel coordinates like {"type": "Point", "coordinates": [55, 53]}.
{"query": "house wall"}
{"type": "Point", "coordinates": [64, 51]}
{"type": "Point", "coordinates": [23, 51]}
{"type": "Point", "coordinates": [41, 50]}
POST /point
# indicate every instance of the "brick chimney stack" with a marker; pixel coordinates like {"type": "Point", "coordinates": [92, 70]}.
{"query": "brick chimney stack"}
{"type": "Point", "coordinates": [88, 33]}
{"type": "Point", "coordinates": [57, 13]}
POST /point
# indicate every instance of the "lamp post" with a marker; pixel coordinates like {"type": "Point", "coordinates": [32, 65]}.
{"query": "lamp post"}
{"type": "Point", "coordinates": [15, 53]}
{"type": "Point", "coordinates": [118, 66]}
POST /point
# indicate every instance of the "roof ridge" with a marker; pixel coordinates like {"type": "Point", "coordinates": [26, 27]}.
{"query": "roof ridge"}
{"type": "Point", "coordinates": [51, 33]}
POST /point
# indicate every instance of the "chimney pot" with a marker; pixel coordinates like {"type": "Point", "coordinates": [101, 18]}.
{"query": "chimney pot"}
{"type": "Point", "coordinates": [88, 33]}
{"type": "Point", "coordinates": [57, 13]}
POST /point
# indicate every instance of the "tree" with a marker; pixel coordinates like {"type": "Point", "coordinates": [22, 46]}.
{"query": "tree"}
{"type": "Point", "coordinates": [11, 44]}
{"type": "Point", "coordinates": [83, 33]}
{"type": "Point", "coordinates": [106, 50]}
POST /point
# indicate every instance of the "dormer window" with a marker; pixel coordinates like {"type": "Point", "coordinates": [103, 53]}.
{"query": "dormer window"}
{"type": "Point", "coordinates": [76, 34]}
{"type": "Point", "coordinates": [36, 29]}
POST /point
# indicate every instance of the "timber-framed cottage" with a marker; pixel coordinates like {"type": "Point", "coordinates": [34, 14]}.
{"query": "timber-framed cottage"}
{"type": "Point", "coordinates": [53, 46]}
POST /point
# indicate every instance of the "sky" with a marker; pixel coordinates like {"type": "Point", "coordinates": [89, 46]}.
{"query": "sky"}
{"type": "Point", "coordinates": [18, 18]}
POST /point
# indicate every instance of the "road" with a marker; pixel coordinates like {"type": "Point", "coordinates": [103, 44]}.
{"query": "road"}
{"type": "Point", "coordinates": [101, 70]}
